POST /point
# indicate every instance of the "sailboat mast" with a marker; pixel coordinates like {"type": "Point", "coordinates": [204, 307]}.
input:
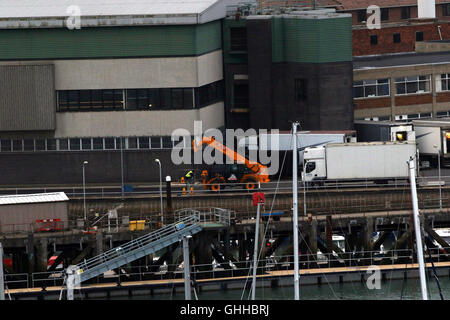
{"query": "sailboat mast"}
{"type": "Point", "coordinates": [412, 176]}
{"type": "Point", "coordinates": [295, 209]}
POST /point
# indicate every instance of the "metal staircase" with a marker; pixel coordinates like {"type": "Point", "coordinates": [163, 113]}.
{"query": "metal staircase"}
{"type": "Point", "coordinates": [137, 248]}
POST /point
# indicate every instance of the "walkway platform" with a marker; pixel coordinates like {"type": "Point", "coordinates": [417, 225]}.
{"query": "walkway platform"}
{"type": "Point", "coordinates": [270, 279]}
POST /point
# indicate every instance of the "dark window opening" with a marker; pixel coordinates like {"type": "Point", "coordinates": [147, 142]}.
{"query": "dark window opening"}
{"type": "Point", "coordinates": [310, 166]}
{"type": "Point", "coordinates": [406, 12]}
{"type": "Point", "coordinates": [397, 38]}
{"type": "Point", "coordinates": [446, 9]}
{"type": "Point", "coordinates": [384, 14]}
{"type": "Point", "coordinates": [240, 97]}
{"type": "Point", "coordinates": [238, 39]}
{"type": "Point", "coordinates": [362, 15]}
{"type": "Point", "coordinates": [374, 39]}
{"type": "Point", "coordinates": [419, 36]}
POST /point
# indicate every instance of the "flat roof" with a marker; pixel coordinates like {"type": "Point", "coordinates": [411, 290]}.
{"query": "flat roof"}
{"type": "Point", "coordinates": [400, 59]}
{"type": "Point", "coordinates": [33, 198]}
{"type": "Point", "coordinates": [54, 13]}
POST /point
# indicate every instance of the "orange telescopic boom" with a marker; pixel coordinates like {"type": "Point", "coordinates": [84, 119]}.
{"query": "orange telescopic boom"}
{"type": "Point", "coordinates": [261, 172]}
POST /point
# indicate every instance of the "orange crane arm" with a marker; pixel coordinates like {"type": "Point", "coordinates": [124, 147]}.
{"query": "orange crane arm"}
{"type": "Point", "coordinates": [257, 168]}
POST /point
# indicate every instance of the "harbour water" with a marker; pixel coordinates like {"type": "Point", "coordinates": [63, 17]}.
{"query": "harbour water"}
{"type": "Point", "coordinates": [389, 290]}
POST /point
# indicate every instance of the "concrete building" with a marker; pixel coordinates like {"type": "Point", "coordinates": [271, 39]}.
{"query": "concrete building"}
{"type": "Point", "coordinates": [109, 83]}
{"type": "Point", "coordinates": [134, 72]}
{"type": "Point", "coordinates": [402, 86]}
{"type": "Point", "coordinates": [283, 67]}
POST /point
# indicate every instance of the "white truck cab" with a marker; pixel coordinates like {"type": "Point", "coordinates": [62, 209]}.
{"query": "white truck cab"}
{"type": "Point", "coordinates": [315, 167]}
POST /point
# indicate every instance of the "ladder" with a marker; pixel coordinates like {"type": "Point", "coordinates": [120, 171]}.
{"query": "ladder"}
{"type": "Point", "coordinates": [137, 248]}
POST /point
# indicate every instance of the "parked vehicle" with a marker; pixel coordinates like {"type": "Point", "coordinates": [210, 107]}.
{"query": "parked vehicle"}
{"type": "Point", "coordinates": [375, 161]}
{"type": "Point", "coordinates": [433, 139]}
{"type": "Point", "coordinates": [368, 131]}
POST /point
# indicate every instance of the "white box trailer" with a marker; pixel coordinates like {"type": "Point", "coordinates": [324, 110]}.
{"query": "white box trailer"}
{"type": "Point", "coordinates": [359, 161]}
{"type": "Point", "coordinates": [368, 131]}
{"type": "Point", "coordinates": [433, 138]}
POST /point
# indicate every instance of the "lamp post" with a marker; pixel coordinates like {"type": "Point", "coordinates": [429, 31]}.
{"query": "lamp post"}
{"type": "Point", "coordinates": [439, 174]}
{"type": "Point", "coordinates": [84, 193]}
{"type": "Point", "coordinates": [160, 192]}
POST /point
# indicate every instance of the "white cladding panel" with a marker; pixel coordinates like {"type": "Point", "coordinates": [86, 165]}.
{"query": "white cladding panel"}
{"type": "Point", "coordinates": [426, 9]}
{"type": "Point", "coordinates": [368, 160]}
{"type": "Point", "coordinates": [427, 138]}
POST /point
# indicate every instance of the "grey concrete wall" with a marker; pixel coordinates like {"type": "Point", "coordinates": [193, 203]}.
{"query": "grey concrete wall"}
{"type": "Point", "coordinates": [136, 123]}
{"type": "Point", "coordinates": [27, 98]}
{"type": "Point", "coordinates": [42, 168]}
{"type": "Point", "coordinates": [184, 72]}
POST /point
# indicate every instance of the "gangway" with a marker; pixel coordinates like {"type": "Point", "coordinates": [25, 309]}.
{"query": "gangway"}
{"type": "Point", "coordinates": [131, 251]}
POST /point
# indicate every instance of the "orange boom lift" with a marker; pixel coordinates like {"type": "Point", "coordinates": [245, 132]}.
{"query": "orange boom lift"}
{"type": "Point", "coordinates": [242, 171]}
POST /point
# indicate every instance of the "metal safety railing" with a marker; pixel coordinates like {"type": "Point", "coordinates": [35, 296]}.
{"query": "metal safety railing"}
{"type": "Point", "coordinates": [207, 215]}
{"type": "Point", "coordinates": [108, 191]}
{"type": "Point", "coordinates": [405, 257]}
{"type": "Point", "coordinates": [139, 247]}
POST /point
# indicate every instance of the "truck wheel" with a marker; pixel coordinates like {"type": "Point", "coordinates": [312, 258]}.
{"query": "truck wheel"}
{"type": "Point", "coordinates": [215, 184]}
{"type": "Point", "coordinates": [250, 183]}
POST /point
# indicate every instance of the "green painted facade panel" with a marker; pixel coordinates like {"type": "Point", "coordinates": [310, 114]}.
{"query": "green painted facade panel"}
{"type": "Point", "coordinates": [311, 40]}
{"type": "Point", "coordinates": [109, 42]}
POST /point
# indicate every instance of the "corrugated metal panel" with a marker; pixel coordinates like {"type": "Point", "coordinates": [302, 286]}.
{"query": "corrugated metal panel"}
{"type": "Point", "coordinates": [311, 40]}
{"type": "Point", "coordinates": [146, 41]}
{"type": "Point", "coordinates": [27, 98]}
{"type": "Point", "coordinates": [33, 198]}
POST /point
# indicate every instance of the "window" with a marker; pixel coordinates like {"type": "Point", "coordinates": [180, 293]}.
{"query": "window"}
{"type": "Point", "coordinates": [132, 143]}
{"type": "Point", "coordinates": [40, 144]}
{"type": "Point", "coordinates": [419, 36]}
{"type": "Point", "coordinates": [373, 39]}
{"type": "Point", "coordinates": [443, 83]}
{"type": "Point", "coordinates": [97, 143]}
{"type": "Point", "coordinates": [209, 94]}
{"type": "Point", "coordinates": [240, 95]}
{"type": "Point", "coordinates": [63, 144]}
{"type": "Point", "coordinates": [88, 100]}
{"type": "Point", "coordinates": [446, 9]}
{"type": "Point", "coordinates": [238, 39]}
{"type": "Point", "coordinates": [362, 15]}
{"type": "Point", "coordinates": [74, 144]}
{"type": "Point", "coordinates": [406, 12]}
{"type": "Point", "coordinates": [51, 144]}
{"type": "Point", "coordinates": [86, 144]}
{"type": "Point", "coordinates": [5, 145]}
{"type": "Point", "coordinates": [156, 142]}
{"type": "Point", "coordinates": [109, 143]}
{"type": "Point", "coordinates": [411, 85]}
{"type": "Point", "coordinates": [371, 88]}
{"type": "Point", "coordinates": [301, 89]}
{"type": "Point", "coordinates": [167, 143]}
{"type": "Point", "coordinates": [384, 14]}
{"type": "Point", "coordinates": [17, 145]}
{"type": "Point", "coordinates": [143, 143]}
{"type": "Point", "coordinates": [310, 166]}
{"type": "Point", "coordinates": [28, 145]}
{"type": "Point", "coordinates": [397, 38]}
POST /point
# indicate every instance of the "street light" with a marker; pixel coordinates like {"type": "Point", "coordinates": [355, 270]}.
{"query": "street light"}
{"type": "Point", "coordinates": [84, 194]}
{"type": "Point", "coordinates": [439, 173]}
{"type": "Point", "coordinates": [160, 192]}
